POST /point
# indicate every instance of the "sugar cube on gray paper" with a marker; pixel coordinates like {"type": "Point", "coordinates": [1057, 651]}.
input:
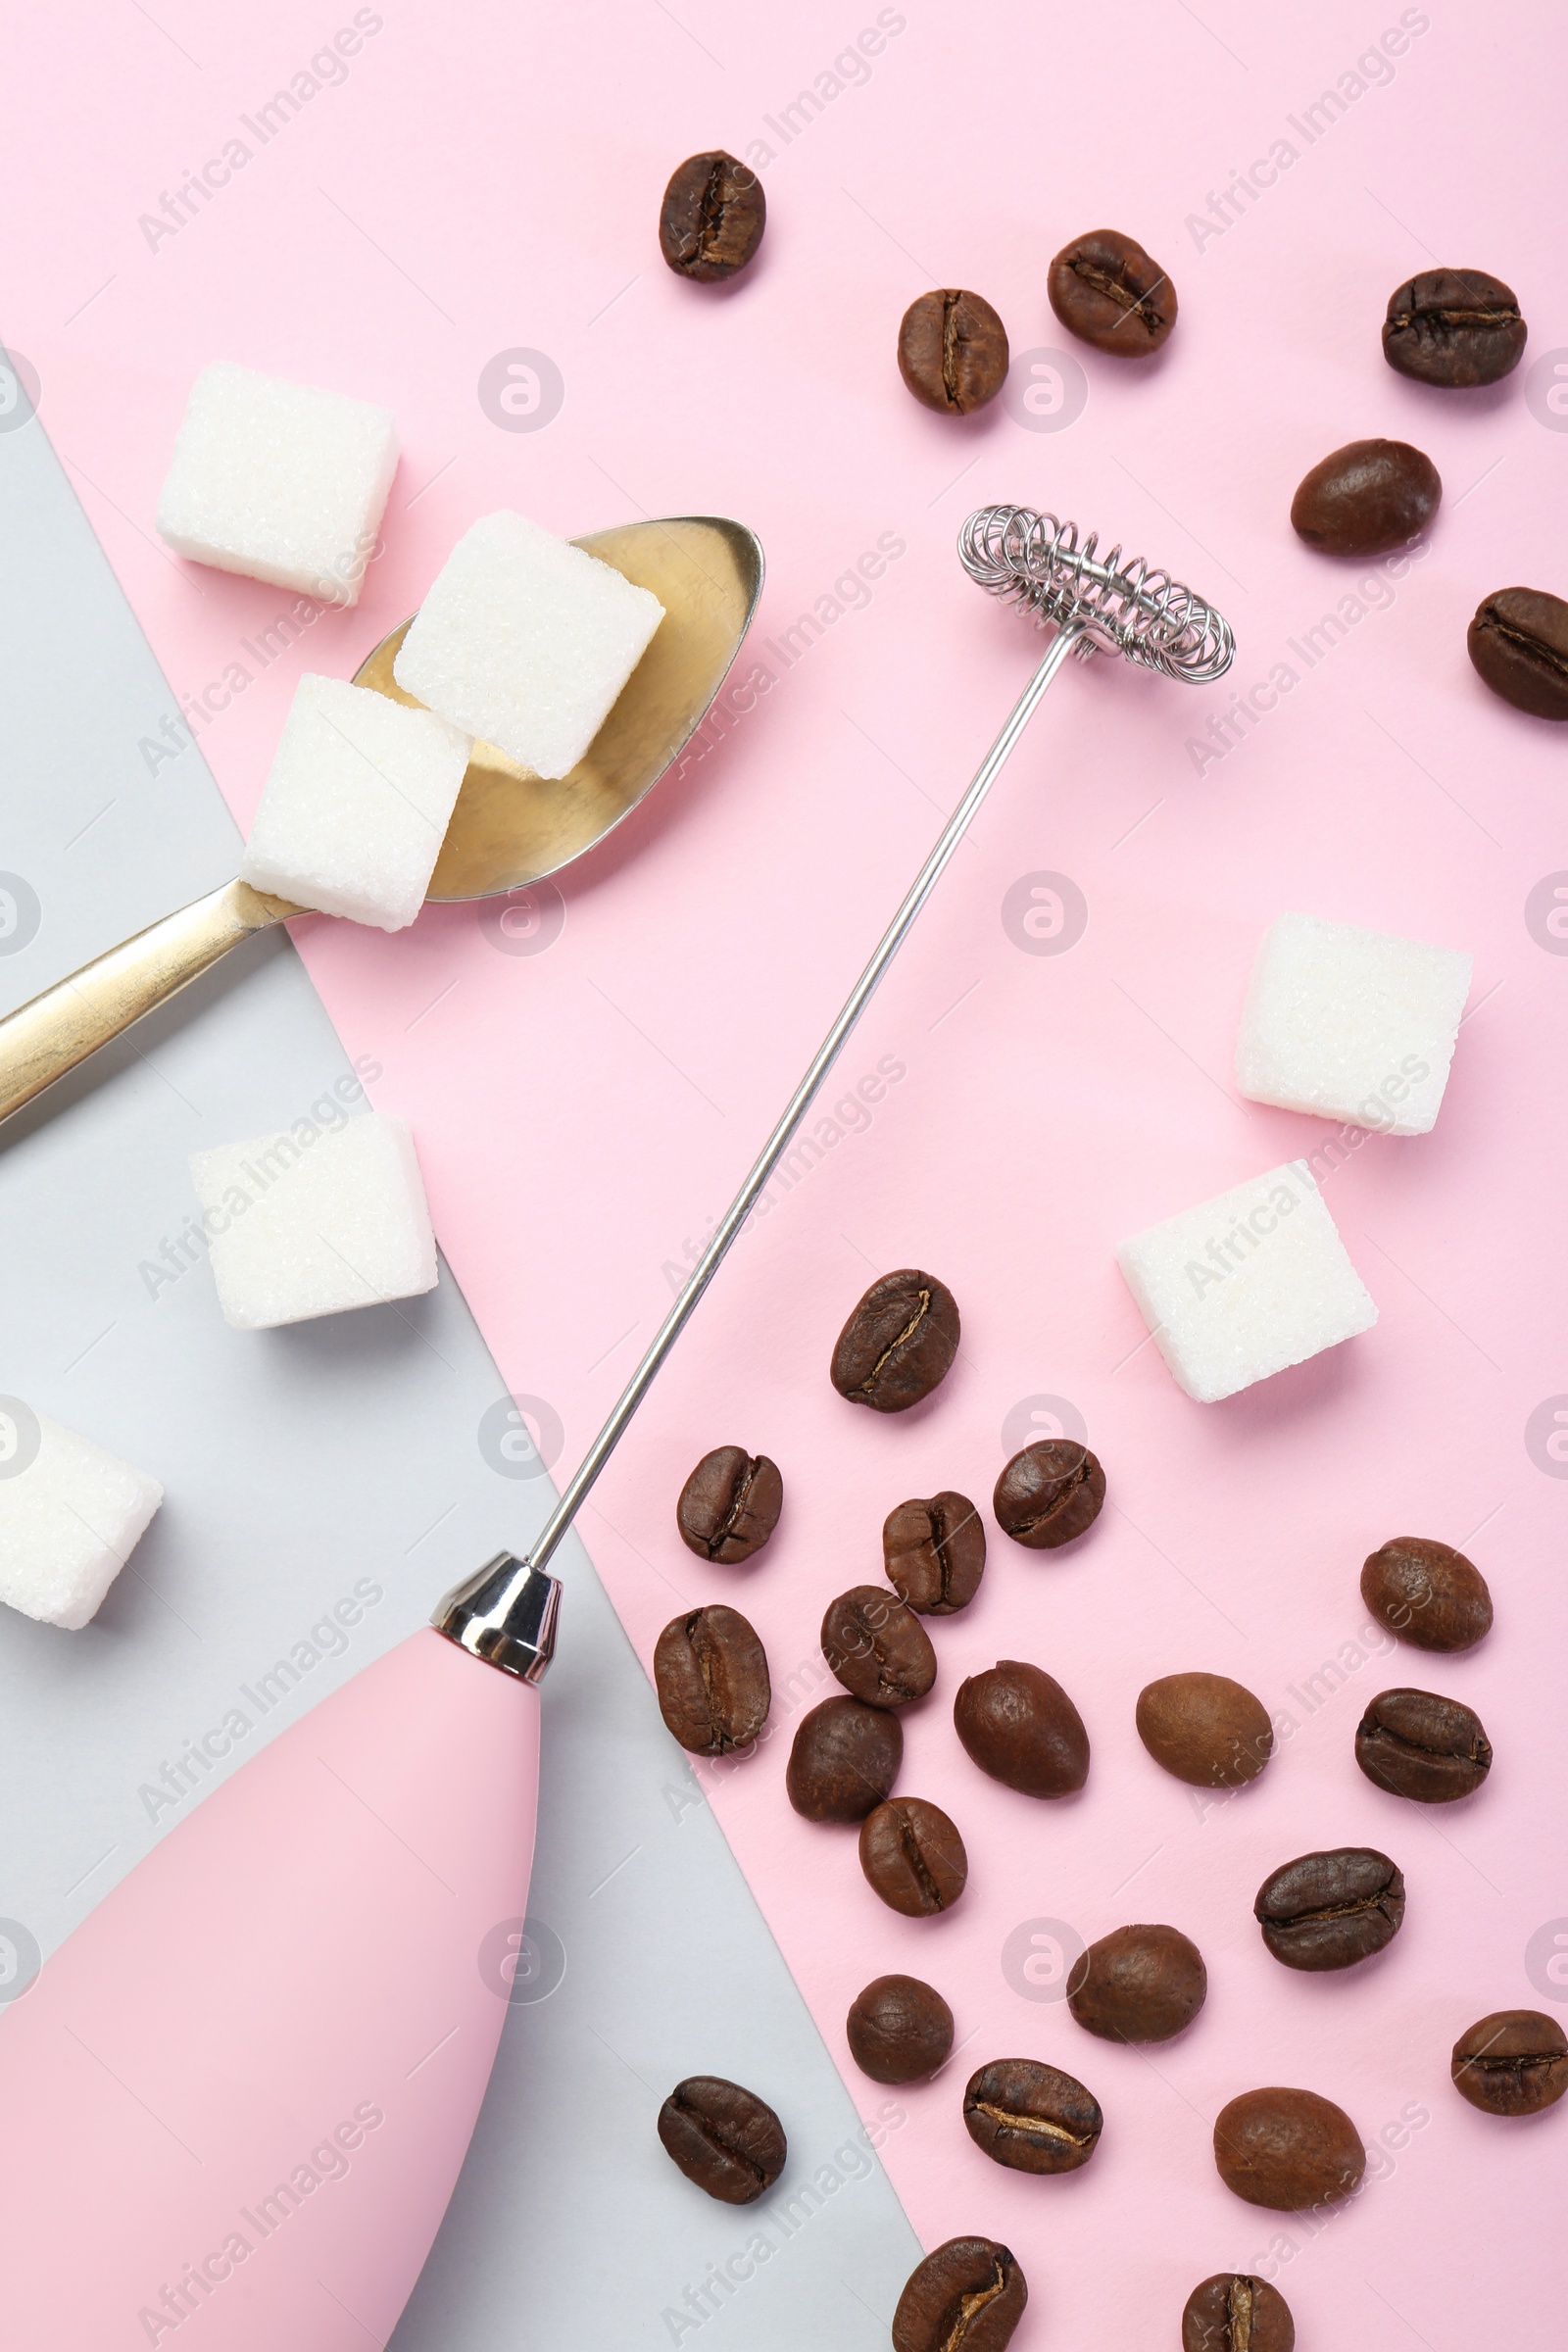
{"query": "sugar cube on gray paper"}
{"type": "Point", "coordinates": [312, 1221]}
{"type": "Point", "coordinates": [357, 802]}
{"type": "Point", "coordinates": [1246, 1283]}
{"type": "Point", "coordinates": [527, 641]}
{"type": "Point", "coordinates": [1354, 1025]}
{"type": "Point", "coordinates": [70, 1516]}
{"type": "Point", "coordinates": [279, 481]}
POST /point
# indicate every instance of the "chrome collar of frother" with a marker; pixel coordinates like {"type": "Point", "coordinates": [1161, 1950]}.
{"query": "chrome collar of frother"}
{"type": "Point", "coordinates": [505, 1613]}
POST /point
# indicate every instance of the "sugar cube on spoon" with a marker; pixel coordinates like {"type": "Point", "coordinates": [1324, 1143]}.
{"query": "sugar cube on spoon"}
{"type": "Point", "coordinates": [527, 641]}
{"type": "Point", "coordinates": [357, 802]}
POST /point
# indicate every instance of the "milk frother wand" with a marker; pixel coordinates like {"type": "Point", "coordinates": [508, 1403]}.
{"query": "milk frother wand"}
{"type": "Point", "coordinates": [257, 2065]}
{"type": "Point", "coordinates": [1098, 603]}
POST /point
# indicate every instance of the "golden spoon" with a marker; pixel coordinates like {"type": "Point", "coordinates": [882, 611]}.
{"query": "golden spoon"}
{"type": "Point", "coordinates": [509, 828]}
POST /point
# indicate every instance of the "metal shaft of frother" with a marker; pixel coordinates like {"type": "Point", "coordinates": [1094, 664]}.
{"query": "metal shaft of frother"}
{"type": "Point", "coordinates": [560, 1518]}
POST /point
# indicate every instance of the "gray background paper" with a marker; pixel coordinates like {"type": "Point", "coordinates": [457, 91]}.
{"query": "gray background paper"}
{"type": "Point", "coordinates": [299, 1461]}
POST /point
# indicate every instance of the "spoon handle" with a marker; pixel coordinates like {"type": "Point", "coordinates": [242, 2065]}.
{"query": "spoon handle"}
{"type": "Point", "coordinates": [47, 1037]}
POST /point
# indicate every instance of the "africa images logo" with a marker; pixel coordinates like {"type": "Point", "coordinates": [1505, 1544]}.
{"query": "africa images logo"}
{"type": "Point", "coordinates": [19, 1960]}
{"type": "Point", "coordinates": [521, 390]}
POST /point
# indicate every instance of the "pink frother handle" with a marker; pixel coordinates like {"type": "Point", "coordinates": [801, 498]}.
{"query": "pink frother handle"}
{"type": "Point", "coordinates": [236, 2100]}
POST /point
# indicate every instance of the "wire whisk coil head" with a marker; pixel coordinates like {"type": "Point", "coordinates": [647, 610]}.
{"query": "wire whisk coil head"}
{"type": "Point", "coordinates": [1121, 607]}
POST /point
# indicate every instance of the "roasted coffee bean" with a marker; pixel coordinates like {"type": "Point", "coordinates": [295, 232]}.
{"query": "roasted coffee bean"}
{"type": "Point", "coordinates": [879, 1650]}
{"type": "Point", "coordinates": [1031, 2117]}
{"type": "Point", "coordinates": [952, 350]}
{"type": "Point", "coordinates": [1050, 1494]}
{"type": "Point", "coordinates": [1414, 1743]}
{"type": "Point", "coordinates": [1518, 642]}
{"type": "Point", "coordinates": [1514, 2062]}
{"type": "Point", "coordinates": [1231, 2313]}
{"type": "Point", "coordinates": [730, 1504]}
{"type": "Point", "coordinates": [968, 2296]}
{"type": "Point", "coordinates": [1453, 327]}
{"type": "Point", "coordinates": [1287, 2149]}
{"type": "Point", "coordinates": [898, 1342]}
{"type": "Point", "coordinates": [1137, 1984]}
{"type": "Point", "coordinates": [843, 1760]}
{"type": "Point", "coordinates": [899, 2030]}
{"type": "Point", "coordinates": [1331, 1910]}
{"type": "Point", "coordinates": [1019, 1725]}
{"type": "Point", "coordinates": [726, 2139]}
{"type": "Point", "coordinates": [1427, 1593]}
{"type": "Point", "coordinates": [1205, 1729]}
{"type": "Point", "coordinates": [1104, 289]}
{"type": "Point", "coordinates": [710, 1672]}
{"type": "Point", "coordinates": [712, 217]}
{"type": "Point", "coordinates": [1365, 498]}
{"type": "Point", "coordinates": [934, 1553]}
{"type": "Point", "coordinates": [912, 1856]}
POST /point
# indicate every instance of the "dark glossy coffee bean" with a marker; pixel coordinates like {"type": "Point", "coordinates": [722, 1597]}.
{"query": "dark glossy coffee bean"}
{"type": "Point", "coordinates": [712, 217]}
{"type": "Point", "coordinates": [879, 1650]}
{"type": "Point", "coordinates": [1031, 2117]}
{"type": "Point", "coordinates": [899, 1343]}
{"type": "Point", "coordinates": [1205, 1729]}
{"type": "Point", "coordinates": [1453, 327]}
{"type": "Point", "coordinates": [1330, 1910]}
{"type": "Point", "coordinates": [1518, 642]}
{"type": "Point", "coordinates": [710, 1672]}
{"type": "Point", "coordinates": [934, 1552]}
{"type": "Point", "coordinates": [1019, 1726]}
{"type": "Point", "coordinates": [899, 2030]}
{"type": "Point", "coordinates": [1231, 2313]}
{"type": "Point", "coordinates": [726, 2139]}
{"type": "Point", "coordinates": [913, 1856]}
{"type": "Point", "coordinates": [844, 1759]}
{"type": "Point", "coordinates": [1514, 2062]}
{"type": "Point", "coordinates": [1427, 1593]}
{"type": "Point", "coordinates": [1365, 498]}
{"type": "Point", "coordinates": [1287, 2149]}
{"type": "Point", "coordinates": [730, 1504]}
{"type": "Point", "coordinates": [1106, 290]}
{"type": "Point", "coordinates": [1137, 1984]}
{"type": "Point", "coordinates": [952, 350]}
{"type": "Point", "coordinates": [968, 2296]}
{"type": "Point", "coordinates": [1050, 1494]}
{"type": "Point", "coordinates": [1414, 1743]}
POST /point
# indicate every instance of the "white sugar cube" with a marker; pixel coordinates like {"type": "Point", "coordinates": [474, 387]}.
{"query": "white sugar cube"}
{"type": "Point", "coordinates": [279, 481]}
{"type": "Point", "coordinates": [1356, 1025]}
{"type": "Point", "coordinates": [357, 802]}
{"type": "Point", "coordinates": [1247, 1283]}
{"type": "Point", "coordinates": [71, 1515]}
{"type": "Point", "coordinates": [527, 641]}
{"type": "Point", "coordinates": [315, 1220]}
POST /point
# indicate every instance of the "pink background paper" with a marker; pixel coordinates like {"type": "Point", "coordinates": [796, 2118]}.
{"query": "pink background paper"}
{"type": "Point", "coordinates": [487, 181]}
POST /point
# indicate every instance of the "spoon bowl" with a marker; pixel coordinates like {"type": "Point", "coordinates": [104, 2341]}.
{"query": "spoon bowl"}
{"type": "Point", "coordinates": [512, 827]}
{"type": "Point", "coordinates": [509, 827]}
